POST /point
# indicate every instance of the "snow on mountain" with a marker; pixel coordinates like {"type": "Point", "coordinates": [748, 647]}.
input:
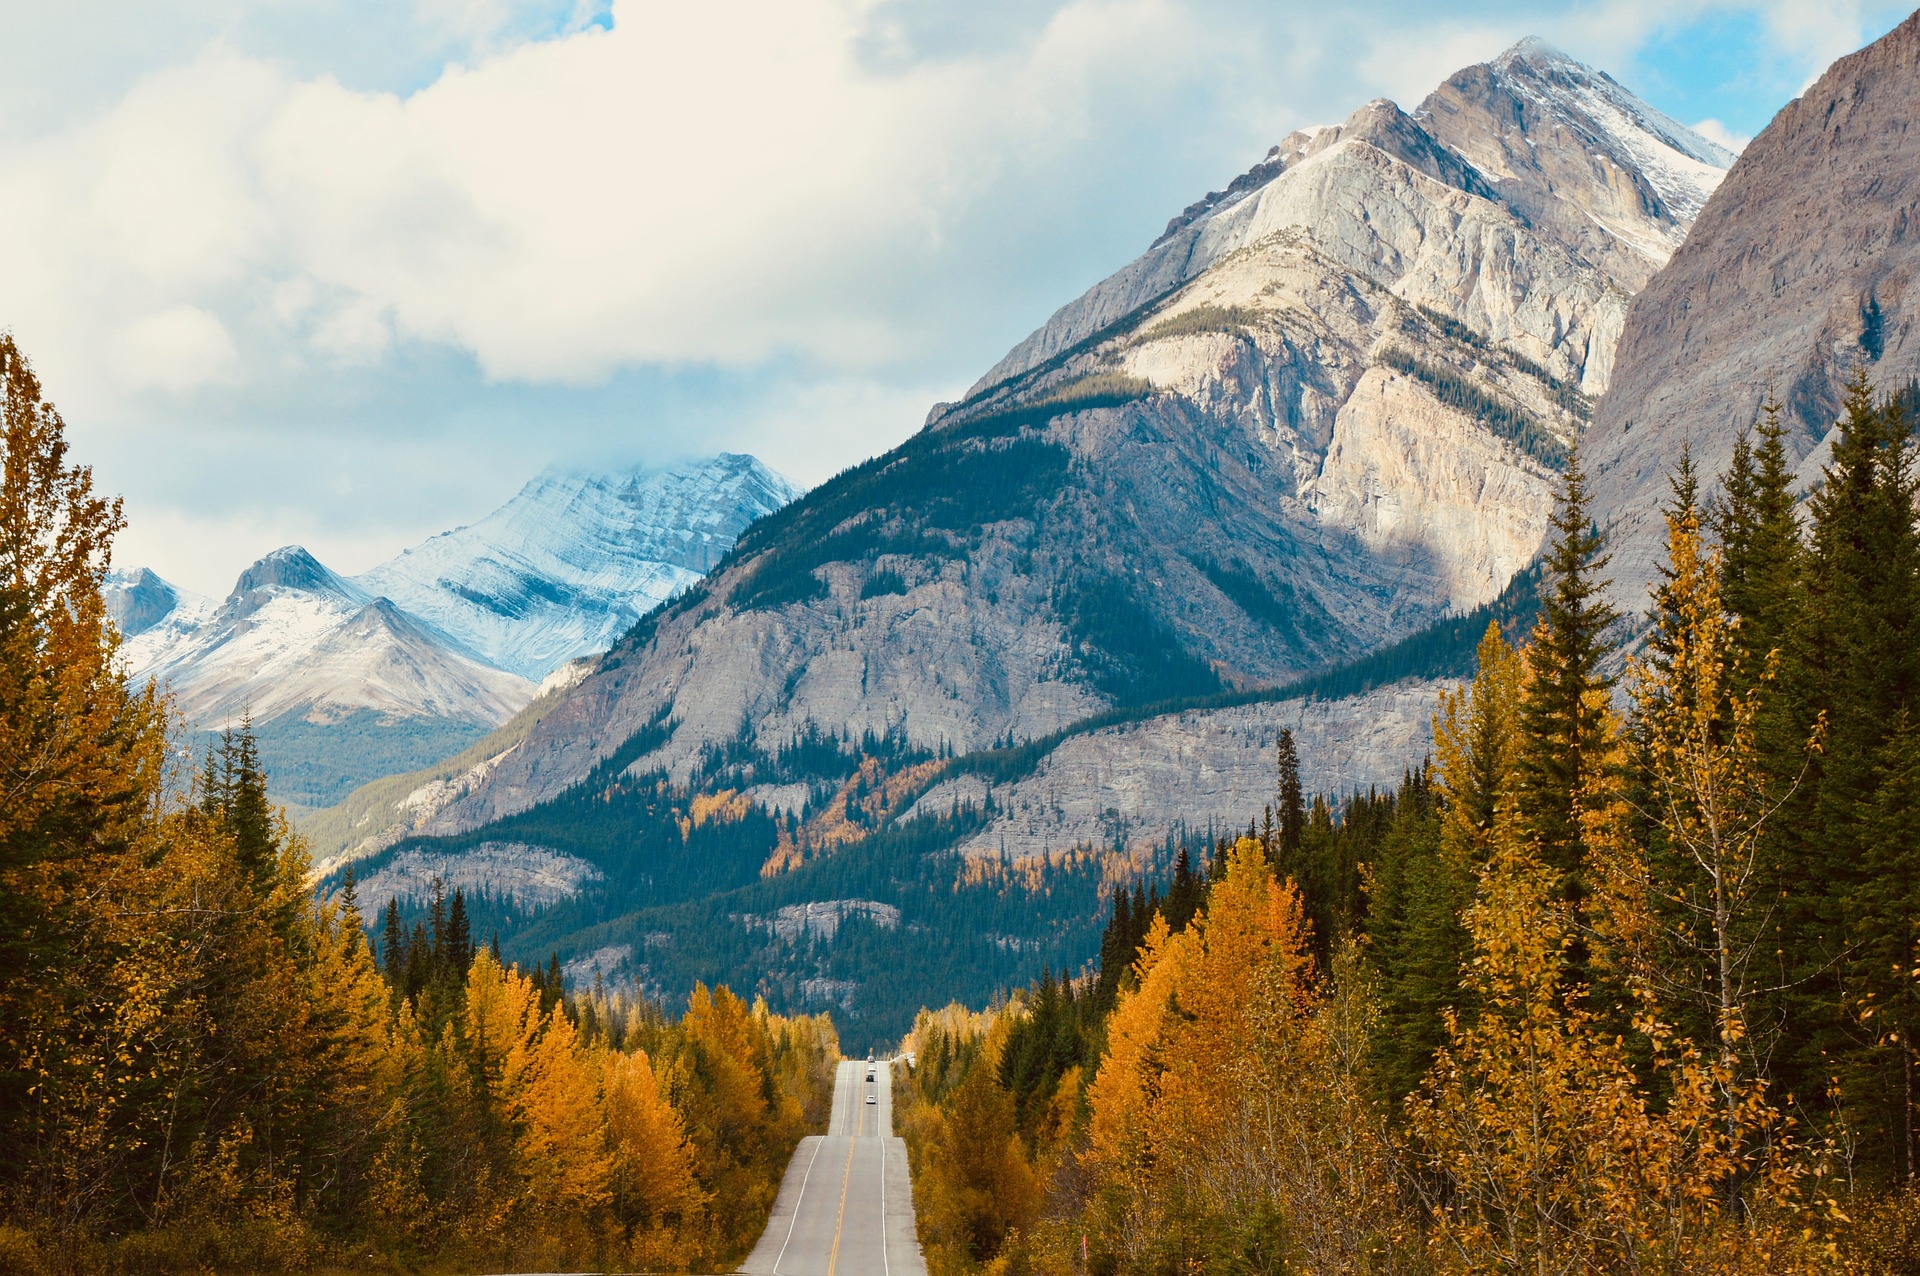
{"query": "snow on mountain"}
{"type": "Point", "coordinates": [1589, 173]}
{"type": "Point", "coordinates": [152, 610]}
{"type": "Point", "coordinates": [295, 637]}
{"type": "Point", "coordinates": [569, 564]}
{"type": "Point", "coordinates": [1579, 155]}
{"type": "Point", "coordinates": [348, 680]}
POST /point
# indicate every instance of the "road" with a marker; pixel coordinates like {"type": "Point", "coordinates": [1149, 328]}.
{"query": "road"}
{"type": "Point", "coordinates": [846, 1205]}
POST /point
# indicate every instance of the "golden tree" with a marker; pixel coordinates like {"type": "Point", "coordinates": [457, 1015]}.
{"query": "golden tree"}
{"type": "Point", "coordinates": [1229, 1119]}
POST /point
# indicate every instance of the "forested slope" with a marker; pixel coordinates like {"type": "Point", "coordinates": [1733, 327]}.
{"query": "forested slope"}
{"type": "Point", "coordinates": [1597, 992]}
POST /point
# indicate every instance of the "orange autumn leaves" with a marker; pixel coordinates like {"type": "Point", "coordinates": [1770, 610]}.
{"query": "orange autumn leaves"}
{"type": "Point", "coordinates": [1230, 1111]}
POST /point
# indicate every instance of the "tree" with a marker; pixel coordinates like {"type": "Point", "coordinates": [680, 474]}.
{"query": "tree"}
{"type": "Point", "coordinates": [1679, 856]}
{"type": "Point", "coordinates": [1760, 550]}
{"type": "Point", "coordinates": [1419, 942]}
{"type": "Point", "coordinates": [80, 756]}
{"type": "Point", "coordinates": [1290, 807]}
{"type": "Point", "coordinates": [1229, 1124]}
{"type": "Point", "coordinates": [1852, 669]}
{"type": "Point", "coordinates": [1563, 708]}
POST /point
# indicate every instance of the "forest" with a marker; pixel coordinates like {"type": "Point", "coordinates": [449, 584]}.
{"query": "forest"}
{"type": "Point", "coordinates": [1621, 980]}
{"type": "Point", "coordinates": [205, 1066]}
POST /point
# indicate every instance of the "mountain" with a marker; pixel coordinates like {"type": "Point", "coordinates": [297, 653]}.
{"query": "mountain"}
{"type": "Point", "coordinates": [1320, 416]}
{"type": "Point", "coordinates": [341, 686]}
{"type": "Point", "coordinates": [347, 680]}
{"type": "Point", "coordinates": [1804, 265]}
{"type": "Point", "coordinates": [572, 561]}
{"type": "Point", "coordinates": [294, 636]}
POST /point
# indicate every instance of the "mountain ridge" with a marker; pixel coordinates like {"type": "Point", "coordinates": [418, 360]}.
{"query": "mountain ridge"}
{"type": "Point", "coordinates": [1323, 416]}
{"type": "Point", "coordinates": [1804, 266]}
{"type": "Point", "coordinates": [341, 679]}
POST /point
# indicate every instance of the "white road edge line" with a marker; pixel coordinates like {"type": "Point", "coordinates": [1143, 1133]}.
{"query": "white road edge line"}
{"type": "Point", "coordinates": [886, 1141]}
{"type": "Point", "coordinates": [795, 1219]}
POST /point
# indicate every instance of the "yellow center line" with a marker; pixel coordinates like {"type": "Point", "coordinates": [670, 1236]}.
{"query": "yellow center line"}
{"type": "Point", "coordinates": [833, 1259]}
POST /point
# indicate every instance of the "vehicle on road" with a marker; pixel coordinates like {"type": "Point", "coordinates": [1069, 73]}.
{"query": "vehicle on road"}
{"type": "Point", "coordinates": [872, 1098]}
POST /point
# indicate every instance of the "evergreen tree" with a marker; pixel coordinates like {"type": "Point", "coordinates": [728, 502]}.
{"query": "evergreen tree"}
{"type": "Point", "coordinates": [1854, 670]}
{"type": "Point", "coordinates": [459, 948]}
{"type": "Point", "coordinates": [1885, 970]}
{"type": "Point", "coordinates": [1760, 549]}
{"type": "Point", "coordinates": [238, 792]}
{"type": "Point", "coordinates": [1291, 807]}
{"type": "Point", "coordinates": [352, 925]}
{"type": "Point", "coordinates": [393, 946]}
{"type": "Point", "coordinates": [1185, 894]}
{"type": "Point", "coordinates": [1116, 951]}
{"type": "Point", "coordinates": [1564, 708]}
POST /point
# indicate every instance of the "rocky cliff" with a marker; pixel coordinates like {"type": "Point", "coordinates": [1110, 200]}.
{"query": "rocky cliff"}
{"type": "Point", "coordinates": [1803, 266]}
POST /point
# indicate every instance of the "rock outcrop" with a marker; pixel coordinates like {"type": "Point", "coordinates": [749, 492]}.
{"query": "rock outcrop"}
{"type": "Point", "coordinates": [1803, 266]}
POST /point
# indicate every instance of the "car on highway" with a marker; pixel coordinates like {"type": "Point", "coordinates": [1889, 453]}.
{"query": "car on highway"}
{"type": "Point", "coordinates": [872, 1097]}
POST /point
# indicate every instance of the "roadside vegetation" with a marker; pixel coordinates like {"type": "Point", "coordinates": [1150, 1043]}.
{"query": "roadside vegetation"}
{"type": "Point", "coordinates": [204, 1066]}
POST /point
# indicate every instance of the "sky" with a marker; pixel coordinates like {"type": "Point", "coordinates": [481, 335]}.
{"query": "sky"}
{"type": "Point", "coordinates": [346, 273]}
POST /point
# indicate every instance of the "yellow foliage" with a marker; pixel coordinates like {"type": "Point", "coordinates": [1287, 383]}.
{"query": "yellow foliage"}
{"type": "Point", "coordinates": [653, 1166]}
{"type": "Point", "coordinates": [724, 807]}
{"type": "Point", "coordinates": [1229, 1120]}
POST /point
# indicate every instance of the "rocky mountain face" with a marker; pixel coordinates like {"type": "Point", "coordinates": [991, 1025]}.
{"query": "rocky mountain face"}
{"type": "Point", "coordinates": [1321, 413]}
{"type": "Point", "coordinates": [1804, 266]}
{"type": "Point", "coordinates": [347, 680]}
{"type": "Point", "coordinates": [1323, 410]}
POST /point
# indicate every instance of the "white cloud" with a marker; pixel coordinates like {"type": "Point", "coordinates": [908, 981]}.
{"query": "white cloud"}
{"type": "Point", "coordinates": [177, 349]}
{"type": "Point", "coordinates": [1715, 131]}
{"type": "Point", "coordinates": [363, 253]}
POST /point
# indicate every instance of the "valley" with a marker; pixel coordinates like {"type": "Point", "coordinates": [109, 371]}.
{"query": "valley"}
{"type": "Point", "coordinates": [1382, 737]}
{"type": "Point", "coordinates": [1361, 366]}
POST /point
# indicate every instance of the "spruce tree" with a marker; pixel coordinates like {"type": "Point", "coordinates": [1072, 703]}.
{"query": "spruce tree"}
{"type": "Point", "coordinates": [1290, 808]}
{"type": "Point", "coordinates": [1565, 703]}
{"type": "Point", "coordinates": [1760, 549]}
{"type": "Point", "coordinates": [1883, 1070]}
{"type": "Point", "coordinates": [245, 811]}
{"type": "Point", "coordinates": [1854, 671]}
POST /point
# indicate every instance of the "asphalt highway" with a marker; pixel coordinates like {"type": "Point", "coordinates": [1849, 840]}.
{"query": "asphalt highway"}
{"type": "Point", "coordinates": [846, 1205]}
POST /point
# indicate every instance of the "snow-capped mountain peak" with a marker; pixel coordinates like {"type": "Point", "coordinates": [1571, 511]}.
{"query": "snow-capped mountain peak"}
{"type": "Point", "coordinates": [413, 660]}
{"type": "Point", "coordinates": [291, 567]}
{"type": "Point", "coordinates": [573, 560]}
